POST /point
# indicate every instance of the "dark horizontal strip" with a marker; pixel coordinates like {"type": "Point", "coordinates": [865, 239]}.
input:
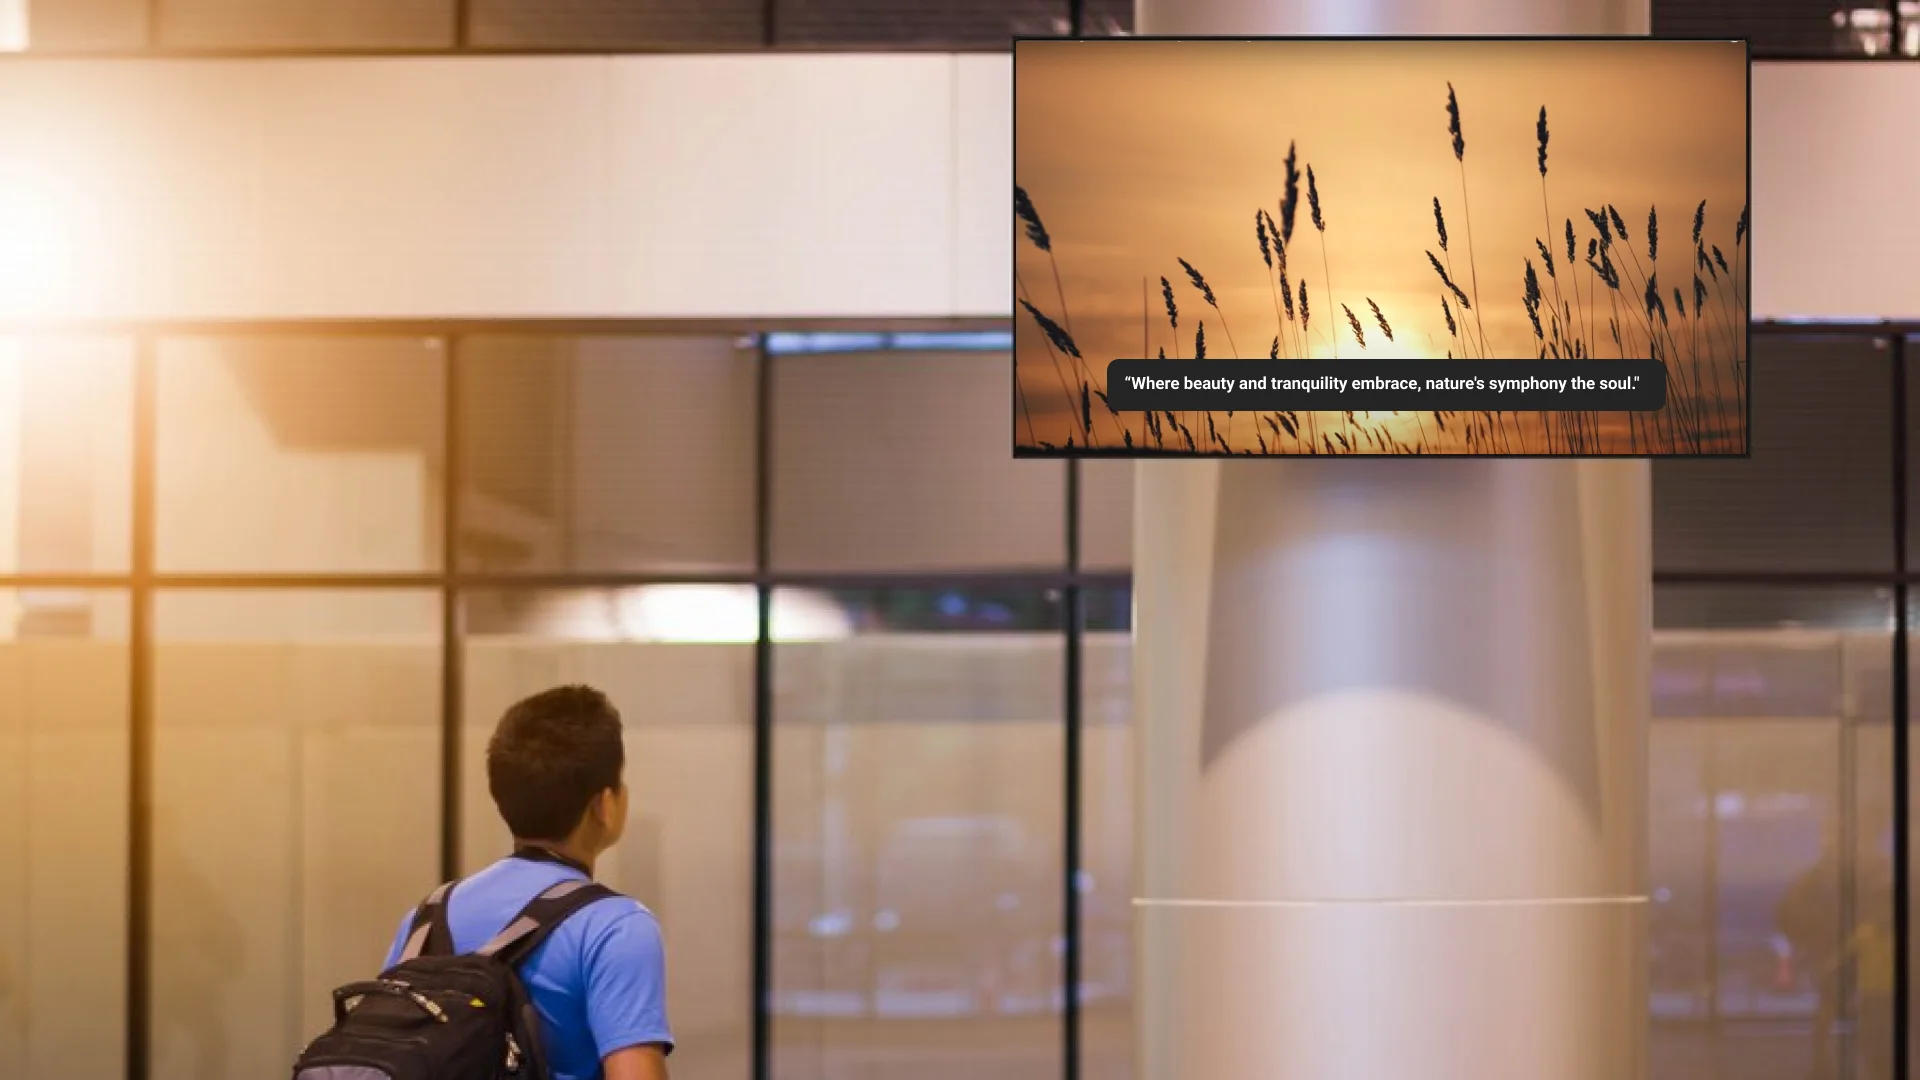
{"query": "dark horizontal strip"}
{"type": "Point", "coordinates": [460, 327]}
{"type": "Point", "coordinates": [1012, 579]}
{"type": "Point", "coordinates": [1836, 328]}
{"type": "Point", "coordinates": [432, 327]}
{"type": "Point", "coordinates": [1363, 385]}
{"type": "Point", "coordinates": [454, 52]}
{"type": "Point", "coordinates": [265, 52]}
{"type": "Point", "coordinates": [1780, 578]}
{"type": "Point", "coordinates": [1403, 38]}
{"type": "Point", "coordinates": [1182, 455]}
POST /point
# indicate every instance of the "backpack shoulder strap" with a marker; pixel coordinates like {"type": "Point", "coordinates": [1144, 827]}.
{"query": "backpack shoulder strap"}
{"type": "Point", "coordinates": [430, 935]}
{"type": "Point", "coordinates": [541, 916]}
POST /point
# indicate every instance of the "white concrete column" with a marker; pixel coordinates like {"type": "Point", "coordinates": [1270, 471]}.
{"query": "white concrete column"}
{"type": "Point", "coordinates": [1391, 720]}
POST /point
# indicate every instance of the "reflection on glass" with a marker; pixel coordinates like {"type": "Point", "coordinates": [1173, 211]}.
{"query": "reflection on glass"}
{"type": "Point", "coordinates": [917, 842]}
{"type": "Point", "coordinates": [289, 455]}
{"type": "Point", "coordinates": [296, 755]}
{"type": "Point", "coordinates": [983, 23]}
{"type": "Point", "coordinates": [1106, 835]}
{"type": "Point", "coordinates": [66, 453]}
{"type": "Point", "coordinates": [300, 24]}
{"type": "Point", "coordinates": [603, 452]}
{"type": "Point", "coordinates": [1817, 494]}
{"type": "Point", "coordinates": [1106, 515]}
{"type": "Point", "coordinates": [870, 475]}
{"type": "Point", "coordinates": [63, 836]}
{"type": "Point", "coordinates": [608, 25]}
{"type": "Point", "coordinates": [1768, 852]}
{"type": "Point", "coordinates": [683, 682]}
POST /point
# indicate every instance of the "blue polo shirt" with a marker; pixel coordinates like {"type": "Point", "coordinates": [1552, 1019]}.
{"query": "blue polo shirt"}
{"type": "Point", "coordinates": [599, 981]}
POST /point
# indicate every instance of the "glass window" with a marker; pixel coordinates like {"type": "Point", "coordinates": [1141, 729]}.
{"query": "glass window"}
{"type": "Point", "coordinates": [296, 770]}
{"type": "Point", "coordinates": [301, 24]}
{"type": "Point", "coordinates": [1817, 494]}
{"type": "Point", "coordinates": [617, 24]}
{"type": "Point", "coordinates": [1106, 515]}
{"type": "Point", "coordinates": [75, 25]}
{"type": "Point", "coordinates": [1106, 18]}
{"type": "Point", "coordinates": [63, 833]}
{"type": "Point", "coordinates": [288, 455]}
{"type": "Point", "coordinates": [977, 24]}
{"type": "Point", "coordinates": [1769, 859]}
{"type": "Point", "coordinates": [678, 661]}
{"type": "Point", "coordinates": [66, 452]}
{"type": "Point", "coordinates": [892, 462]}
{"type": "Point", "coordinates": [607, 454]}
{"type": "Point", "coordinates": [1106, 835]}
{"type": "Point", "coordinates": [916, 834]}
{"type": "Point", "coordinates": [1911, 351]}
{"type": "Point", "coordinates": [1782, 28]}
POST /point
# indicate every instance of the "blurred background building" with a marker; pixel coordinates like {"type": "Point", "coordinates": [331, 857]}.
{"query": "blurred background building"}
{"type": "Point", "coordinates": [371, 364]}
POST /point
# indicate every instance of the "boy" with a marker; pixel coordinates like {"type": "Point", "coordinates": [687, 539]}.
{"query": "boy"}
{"type": "Point", "coordinates": [554, 769]}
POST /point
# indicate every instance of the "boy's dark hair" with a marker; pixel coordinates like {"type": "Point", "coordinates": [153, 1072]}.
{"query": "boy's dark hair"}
{"type": "Point", "coordinates": [550, 756]}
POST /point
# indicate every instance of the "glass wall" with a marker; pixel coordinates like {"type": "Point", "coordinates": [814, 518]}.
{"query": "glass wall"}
{"type": "Point", "coordinates": [264, 594]}
{"type": "Point", "coordinates": [586, 26]}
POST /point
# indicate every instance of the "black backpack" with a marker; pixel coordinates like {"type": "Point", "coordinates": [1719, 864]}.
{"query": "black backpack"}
{"type": "Point", "coordinates": [440, 1016]}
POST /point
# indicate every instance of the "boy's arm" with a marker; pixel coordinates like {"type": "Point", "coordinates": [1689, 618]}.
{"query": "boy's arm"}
{"type": "Point", "coordinates": [636, 1063]}
{"type": "Point", "coordinates": [627, 996]}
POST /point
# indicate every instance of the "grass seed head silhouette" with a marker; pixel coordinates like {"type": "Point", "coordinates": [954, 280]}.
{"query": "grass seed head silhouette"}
{"type": "Point", "coordinates": [1740, 227]}
{"type": "Point", "coordinates": [1380, 318]}
{"type": "Point", "coordinates": [1546, 256]}
{"type": "Point", "coordinates": [1286, 293]}
{"type": "Point", "coordinates": [1699, 221]}
{"type": "Point", "coordinates": [1313, 201]}
{"type": "Point", "coordinates": [1290, 201]}
{"type": "Point", "coordinates": [1055, 333]}
{"type": "Point", "coordinates": [1359, 334]}
{"type": "Point", "coordinates": [1619, 226]}
{"type": "Point", "coordinates": [1024, 210]}
{"type": "Point", "coordinates": [1540, 130]}
{"type": "Point", "coordinates": [1200, 340]}
{"type": "Point", "coordinates": [1260, 226]}
{"type": "Point", "coordinates": [1279, 246]}
{"type": "Point", "coordinates": [1173, 310]}
{"type": "Point", "coordinates": [1439, 223]}
{"type": "Point", "coordinates": [1570, 243]}
{"type": "Point", "coordinates": [1304, 315]}
{"type": "Point", "coordinates": [1206, 291]}
{"type": "Point", "coordinates": [1653, 233]}
{"type": "Point", "coordinates": [1453, 125]}
{"type": "Point", "coordinates": [1452, 328]}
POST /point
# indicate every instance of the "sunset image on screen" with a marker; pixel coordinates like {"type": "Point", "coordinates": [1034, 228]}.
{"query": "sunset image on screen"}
{"type": "Point", "coordinates": [1380, 200]}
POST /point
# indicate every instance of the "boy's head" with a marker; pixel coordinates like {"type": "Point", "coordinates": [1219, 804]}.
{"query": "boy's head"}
{"type": "Point", "coordinates": [554, 768]}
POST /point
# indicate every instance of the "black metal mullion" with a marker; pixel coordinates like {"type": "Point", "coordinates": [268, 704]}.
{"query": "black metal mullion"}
{"type": "Point", "coordinates": [1073, 605]}
{"type": "Point", "coordinates": [452, 647]}
{"type": "Point", "coordinates": [1902, 790]}
{"type": "Point", "coordinates": [139, 928]}
{"type": "Point", "coordinates": [762, 929]}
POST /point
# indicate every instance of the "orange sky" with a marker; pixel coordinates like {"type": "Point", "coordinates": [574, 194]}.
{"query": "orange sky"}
{"type": "Point", "coordinates": [1139, 152]}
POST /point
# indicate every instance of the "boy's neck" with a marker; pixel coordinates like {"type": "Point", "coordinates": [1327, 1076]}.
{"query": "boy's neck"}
{"type": "Point", "coordinates": [569, 850]}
